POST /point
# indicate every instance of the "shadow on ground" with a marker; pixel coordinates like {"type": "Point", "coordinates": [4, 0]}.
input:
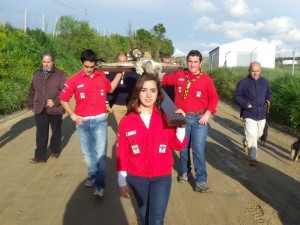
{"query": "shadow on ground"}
{"type": "Point", "coordinates": [269, 184]}
{"type": "Point", "coordinates": [85, 209]}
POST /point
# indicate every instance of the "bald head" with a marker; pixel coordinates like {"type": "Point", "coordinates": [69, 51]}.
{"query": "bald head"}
{"type": "Point", "coordinates": [122, 57]}
{"type": "Point", "coordinates": [254, 70]}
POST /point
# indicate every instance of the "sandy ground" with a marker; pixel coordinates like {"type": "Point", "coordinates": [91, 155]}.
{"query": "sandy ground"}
{"type": "Point", "coordinates": [53, 193]}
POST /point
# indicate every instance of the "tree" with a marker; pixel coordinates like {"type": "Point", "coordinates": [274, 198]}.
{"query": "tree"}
{"type": "Point", "coordinates": [159, 31]}
{"type": "Point", "coordinates": [76, 35]}
{"type": "Point", "coordinates": [161, 44]}
{"type": "Point", "coordinates": [144, 41]}
{"type": "Point", "coordinates": [167, 46]}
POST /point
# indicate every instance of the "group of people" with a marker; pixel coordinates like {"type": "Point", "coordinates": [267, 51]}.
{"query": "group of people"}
{"type": "Point", "coordinates": [145, 142]}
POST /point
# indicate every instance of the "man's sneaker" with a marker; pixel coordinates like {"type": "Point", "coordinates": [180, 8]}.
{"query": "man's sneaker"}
{"type": "Point", "coordinates": [184, 178]}
{"type": "Point", "coordinates": [202, 187]}
{"type": "Point", "coordinates": [99, 192]}
{"type": "Point", "coordinates": [90, 182]}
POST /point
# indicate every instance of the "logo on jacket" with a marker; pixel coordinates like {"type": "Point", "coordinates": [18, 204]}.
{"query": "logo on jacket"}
{"type": "Point", "coordinates": [162, 148]}
{"type": "Point", "coordinates": [135, 149]}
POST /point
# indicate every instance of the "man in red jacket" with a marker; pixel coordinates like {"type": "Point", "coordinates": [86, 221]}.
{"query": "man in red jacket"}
{"type": "Point", "coordinates": [89, 88]}
{"type": "Point", "coordinates": [196, 95]}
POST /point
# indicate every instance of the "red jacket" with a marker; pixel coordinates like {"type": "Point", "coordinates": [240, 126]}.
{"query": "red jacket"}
{"type": "Point", "coordinates": [89, 93]}
{"type": "Point", "coordinates": [143, 151]}
{"type": "Point", "coordinates": [202, 94]}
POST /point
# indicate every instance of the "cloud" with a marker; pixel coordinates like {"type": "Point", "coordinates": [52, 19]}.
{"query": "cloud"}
{"type": "Point", "coordinates": [232, 30]}
{"type": "Point", "coordinates": [179, 53]}
{"type": "Point", "coordinates": [203, 6]}
{"type": "Point", "coordinates": [203, 22]}
{"type": "Point", "coordinates": [237, 8]}
{"type": "Point", "coordinates": [281, 28]}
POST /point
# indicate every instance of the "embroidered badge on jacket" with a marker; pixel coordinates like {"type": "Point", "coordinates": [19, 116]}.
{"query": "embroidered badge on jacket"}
{"type": "Point", "coordinates": [130, 133]}
{"type": "Point", "coordinates": [162, 148]}
{"type": "Point", "coordinates": [135, 149]}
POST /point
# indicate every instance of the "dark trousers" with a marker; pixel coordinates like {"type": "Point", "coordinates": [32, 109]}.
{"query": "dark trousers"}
{"type": "Point", "coordinates": [42, 122]}
{"type": "Point", "coordinates": [152, 196]}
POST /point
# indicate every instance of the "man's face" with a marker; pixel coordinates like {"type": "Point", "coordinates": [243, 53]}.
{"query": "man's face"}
{"type": "Point", "coordinates": [166, 60]}
{"type": "Point", "coordinates": [254, 71]}
{"type": "Point", "coordinates": [122, 58]}
{"type": "Point", "coordinates": [193, 64]}
{"type": "Point", "coordinates": [88, 67]}
{"type": "Point", "coordinates": [47, 62]}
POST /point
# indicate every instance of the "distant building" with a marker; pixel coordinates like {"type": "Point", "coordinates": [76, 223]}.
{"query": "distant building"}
{"type": "Point", "coordinates": [289, 62]}
{"type": "Point", "coordinates": [241, 53]}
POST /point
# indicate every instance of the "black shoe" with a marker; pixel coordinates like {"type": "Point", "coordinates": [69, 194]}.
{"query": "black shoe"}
{"type": "Point", "coordinates": [37, 160]}
{"type": "Point", "coordinates": [252, 163]}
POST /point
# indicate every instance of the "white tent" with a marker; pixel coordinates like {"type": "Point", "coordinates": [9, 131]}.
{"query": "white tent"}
{"type": "Point", "coordinates": [241, 53]}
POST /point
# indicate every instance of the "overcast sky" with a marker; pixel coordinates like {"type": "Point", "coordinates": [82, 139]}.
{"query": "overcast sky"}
{"type": "Point", "coordinates": [190, 24]}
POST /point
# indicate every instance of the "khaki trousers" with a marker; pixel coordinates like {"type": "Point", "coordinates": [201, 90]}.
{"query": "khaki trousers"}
{"type": "Point", "coordinates": [119, 111]}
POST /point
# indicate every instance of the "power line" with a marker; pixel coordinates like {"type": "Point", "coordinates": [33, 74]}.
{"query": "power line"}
{"type": "Point", "coordinates": [84, 13]}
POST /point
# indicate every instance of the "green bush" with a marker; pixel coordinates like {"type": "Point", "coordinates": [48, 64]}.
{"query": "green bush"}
{"type": "Point", "coordinates": [20, 57]}
{"type": "Point", "coordinates": [286, 101]}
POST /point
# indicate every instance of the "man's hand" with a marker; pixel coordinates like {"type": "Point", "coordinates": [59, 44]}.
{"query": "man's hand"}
{"type": "Point", "coordinates": [124, 191]}
{"type": "Point", "coordinates": [50, 103]}
{"type": "Point", "coordinates": [204, 118]}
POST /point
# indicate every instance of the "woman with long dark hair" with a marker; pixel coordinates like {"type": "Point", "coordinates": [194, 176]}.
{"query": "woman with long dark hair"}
{"type": "Point", "coordinates": [144, 151]}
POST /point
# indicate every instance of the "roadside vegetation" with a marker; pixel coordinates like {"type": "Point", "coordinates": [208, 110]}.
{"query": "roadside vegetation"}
{"type": "Point", "coordinates": [20, 57]}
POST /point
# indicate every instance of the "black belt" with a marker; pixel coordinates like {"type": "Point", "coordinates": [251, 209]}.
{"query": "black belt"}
{"type": "Point", "coordinates": [198, 113]}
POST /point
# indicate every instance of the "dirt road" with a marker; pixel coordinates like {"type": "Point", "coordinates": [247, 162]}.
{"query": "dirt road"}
{"type": "Point", "coordinates": [53, 193]}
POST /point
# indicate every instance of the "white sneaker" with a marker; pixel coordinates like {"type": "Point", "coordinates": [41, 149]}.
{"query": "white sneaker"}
{"type": "Point", "coordinates": [90, 182]}
{"type": "Point", "coordinates": [99, 192]}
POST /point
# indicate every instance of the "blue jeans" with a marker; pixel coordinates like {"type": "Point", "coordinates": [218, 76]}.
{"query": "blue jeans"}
{"type": "Point", "coordinates": [152, 196]}
{"type": "Point", "coordinates": [196, 134]}
{"type": "Point", "coordinates": [92, 135]}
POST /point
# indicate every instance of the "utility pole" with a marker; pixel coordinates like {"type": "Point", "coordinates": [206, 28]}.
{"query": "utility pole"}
{"type": "Point", "coordinates": [293, 67]}
{"type": "Point", "coordinates": [55, 24]}
{"type": "Point", "coordinates": [225, 63]}
{"type": "Point", "coordinates": [25, 21]}
{"type": "Point", "coordinates": [252, 54]}
{"type": "Point", "coordinates": [212, 59]}
{"type": "Point", "coordinates": [43, 23]}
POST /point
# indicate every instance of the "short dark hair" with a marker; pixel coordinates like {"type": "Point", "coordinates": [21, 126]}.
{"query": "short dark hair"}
{"type": "Point", "coordinates": [88, 55]}
{"type": "Point", "coordinates": [194, 53]}
{"type": "Point", "coordinates": [48, 53]}
{"type": "Point", "coordinates": [165, 55]}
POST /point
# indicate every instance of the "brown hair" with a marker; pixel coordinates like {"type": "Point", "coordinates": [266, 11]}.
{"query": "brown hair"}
{"type": "Point", "coordinates": [134, 102]}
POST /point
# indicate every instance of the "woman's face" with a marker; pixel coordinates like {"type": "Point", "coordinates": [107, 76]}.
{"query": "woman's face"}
{"type": "Point", "coordinates": [47, 62]}
{"type": "Point", "coordinates": [148, 94]}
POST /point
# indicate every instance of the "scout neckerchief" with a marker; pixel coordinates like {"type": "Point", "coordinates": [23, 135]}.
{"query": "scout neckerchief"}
{"type": "Point", "coordinates": [189, 82]}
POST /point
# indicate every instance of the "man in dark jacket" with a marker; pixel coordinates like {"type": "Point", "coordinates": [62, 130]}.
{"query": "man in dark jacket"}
{"type": "Point", "coordinates": [252, 94]}
{"type": "Point", "coordinates": [43, 100]}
